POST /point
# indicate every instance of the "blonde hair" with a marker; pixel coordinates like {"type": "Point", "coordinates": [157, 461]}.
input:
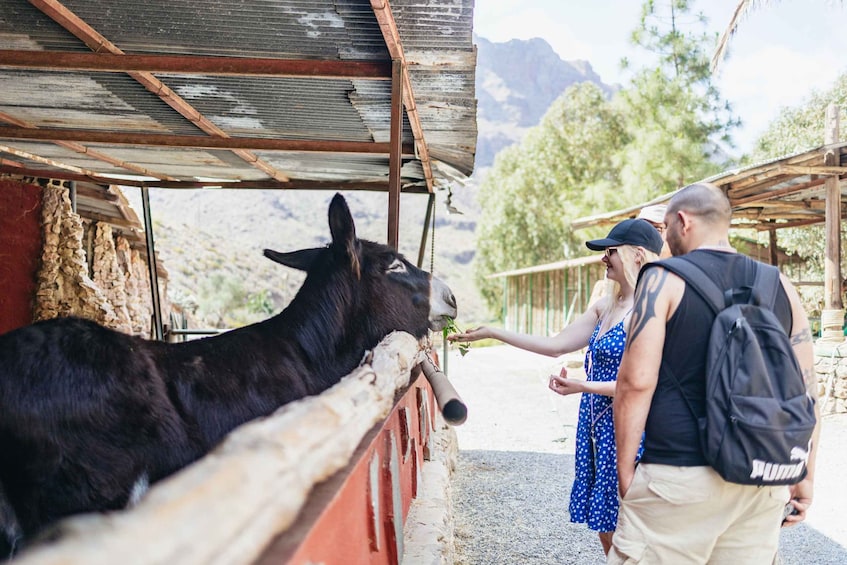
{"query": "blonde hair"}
{"type": "Point", "coordinates": [633, 257]}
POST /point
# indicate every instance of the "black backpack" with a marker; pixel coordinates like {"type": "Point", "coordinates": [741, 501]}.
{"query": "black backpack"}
{"type": "Point", "coordinates": [759, 418]}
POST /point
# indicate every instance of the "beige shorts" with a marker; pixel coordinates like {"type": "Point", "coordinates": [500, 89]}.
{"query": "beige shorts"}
{"type": "Point", "coordinates": [686, 515]}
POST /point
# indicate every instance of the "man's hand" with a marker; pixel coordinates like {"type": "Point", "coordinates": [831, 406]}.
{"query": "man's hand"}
{"type": "Point", "coordinates": [626, 473]}
{"type": "Point", "coordinates": [801, 498]}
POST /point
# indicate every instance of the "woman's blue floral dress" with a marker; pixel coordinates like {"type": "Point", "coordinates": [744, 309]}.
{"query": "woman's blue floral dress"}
{"type": "Point", "coordinates": [594, 496]}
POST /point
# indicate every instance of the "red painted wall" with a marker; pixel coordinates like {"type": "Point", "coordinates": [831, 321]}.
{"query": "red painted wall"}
{"type": "Point", "coordinates": [339, 525]}
{"type": "Point", "coordinates": [20, 251]}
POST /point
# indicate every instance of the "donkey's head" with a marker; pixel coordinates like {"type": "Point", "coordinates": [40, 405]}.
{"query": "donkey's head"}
{"type": "Point", "coordinates": [371, 281]}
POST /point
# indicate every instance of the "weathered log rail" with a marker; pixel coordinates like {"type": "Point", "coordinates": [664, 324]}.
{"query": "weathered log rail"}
{"type": "Point", "coordinates": [237, 504]}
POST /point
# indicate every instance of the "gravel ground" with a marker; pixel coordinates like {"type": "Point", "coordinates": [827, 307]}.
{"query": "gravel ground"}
{"type": "Point", "coordinates": [515, 468]}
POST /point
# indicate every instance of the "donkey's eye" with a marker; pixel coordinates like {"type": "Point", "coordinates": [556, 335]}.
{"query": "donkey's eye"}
{"type": "Point", "coordinates": [396, 266]}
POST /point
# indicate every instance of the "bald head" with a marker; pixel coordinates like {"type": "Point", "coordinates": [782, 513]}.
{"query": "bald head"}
{"type": "Point", "coordinates": [705, 201]}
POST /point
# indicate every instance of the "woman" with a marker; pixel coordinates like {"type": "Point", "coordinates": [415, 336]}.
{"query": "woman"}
{"type": "Point", "coordinates": [594, 496]}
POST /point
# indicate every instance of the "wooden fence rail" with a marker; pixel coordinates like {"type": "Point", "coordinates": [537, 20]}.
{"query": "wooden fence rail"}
{"type": "Point", "coordinates": [228, 506]}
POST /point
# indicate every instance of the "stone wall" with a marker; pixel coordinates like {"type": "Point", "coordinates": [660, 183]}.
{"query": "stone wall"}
{"type": "Point", "coordinates": [137, 287]}
{"type": "Point", "coordinates": [109, 286]}
{"type": "Point", "coordinates": [831, 369]}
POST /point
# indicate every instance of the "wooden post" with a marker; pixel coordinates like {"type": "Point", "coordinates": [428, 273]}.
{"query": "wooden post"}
{"type": "Point", "coordinates": [395, 159]}
{"type": "Point", "coordinates": [832, 317]}
{"type": "Point", "coordinates": [772, 247]}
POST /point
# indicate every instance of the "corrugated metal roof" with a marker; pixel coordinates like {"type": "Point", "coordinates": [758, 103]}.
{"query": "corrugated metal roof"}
{"type": "Point", "coordinates": [784, 192]}
{"type": "Point", "coordinates": [436, 37]}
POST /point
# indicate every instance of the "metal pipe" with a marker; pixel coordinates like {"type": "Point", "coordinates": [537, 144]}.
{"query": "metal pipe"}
{"type": "Point", "coordinates": [429, 207]}
{"type": "Point", "coordinates": [158, 327]}
{"type": "Point", "coordinates": [452, 407]}
{"type": "Point", "coordinates": [72, 195]}
{"type": "Point", "coordinates": [196, 331]}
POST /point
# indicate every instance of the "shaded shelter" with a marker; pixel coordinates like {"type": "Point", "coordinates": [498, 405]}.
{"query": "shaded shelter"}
{"type": "Point", "coordinates": [290, 94]}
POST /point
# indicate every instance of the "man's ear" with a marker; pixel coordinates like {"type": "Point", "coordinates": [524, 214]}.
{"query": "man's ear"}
{"type": "Point", "coordinates": [684, 220]}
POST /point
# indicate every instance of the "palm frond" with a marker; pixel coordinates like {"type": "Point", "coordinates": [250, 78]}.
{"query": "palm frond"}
{"type": "Point", "coordinates": [744, 6]}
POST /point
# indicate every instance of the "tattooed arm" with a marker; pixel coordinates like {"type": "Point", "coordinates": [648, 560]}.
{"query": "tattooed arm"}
{"type": "Point", "coordinates": [656, 297]}
{"type": "Point", "coordinates": [801, 341]}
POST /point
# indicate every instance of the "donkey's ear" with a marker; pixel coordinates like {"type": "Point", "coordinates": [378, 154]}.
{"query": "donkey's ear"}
{"type": "Point", "coordinates": [341, 222]}
{"type": "Point", "coordinates": [301, 260]}
{"type": "Point", "coordinates": [344, 232]}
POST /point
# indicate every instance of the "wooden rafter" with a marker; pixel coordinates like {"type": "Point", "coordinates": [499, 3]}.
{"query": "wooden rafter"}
{"type": "Point", "coordinates": [372, 186]}
{"type": "Point", "coordinates": [194, 64]}
{"type": "Point", "coordinates": [388, 25]}
{"type": "Point", "coordinates": [99, 44]}
{"type": "Point", "coordinates": [78, 148]}
{"type": "Point", "coordinates": [200, 141]}
{"type": "Point", "coordinates": [779, 193]}
{"type": "Point", "coordinates": [819, 170]}
{"type": "Point", "coordinates": [45, 160]}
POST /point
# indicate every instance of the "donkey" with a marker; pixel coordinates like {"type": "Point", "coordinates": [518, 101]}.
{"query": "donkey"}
{"type": "Point", "coordinates": [88, 415]}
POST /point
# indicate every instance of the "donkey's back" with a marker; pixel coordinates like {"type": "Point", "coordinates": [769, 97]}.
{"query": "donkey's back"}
{"type": "Point", "coordinates": [90, 416]}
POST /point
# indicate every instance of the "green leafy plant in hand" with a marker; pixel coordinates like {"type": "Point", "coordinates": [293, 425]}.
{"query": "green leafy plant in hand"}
{"type": "Point", "coordinates": [452, 328]}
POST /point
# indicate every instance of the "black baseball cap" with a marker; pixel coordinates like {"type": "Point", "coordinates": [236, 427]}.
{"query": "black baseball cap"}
{"type": "Point", "coordinates": [634, 231]}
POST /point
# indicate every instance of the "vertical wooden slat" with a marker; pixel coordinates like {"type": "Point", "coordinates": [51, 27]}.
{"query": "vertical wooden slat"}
{"type": "Point", "coordinates": [506, 302]}
{"type": "Point", "coordinates": [547, 303]}
{"type": "Point", "coordinates": [531, 303]}
{"type": "Point", "coordinates": [395, 156]}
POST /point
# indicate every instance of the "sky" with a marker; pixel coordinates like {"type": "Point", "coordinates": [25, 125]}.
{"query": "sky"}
{"type": "Point", "coordinates": [783, 51]}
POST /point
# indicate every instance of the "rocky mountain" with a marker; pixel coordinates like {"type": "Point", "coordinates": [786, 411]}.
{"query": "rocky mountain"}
{"type": "Point", "coordinates": [211, 241]}
{"type": "Point", "coordinates": [516, 82]}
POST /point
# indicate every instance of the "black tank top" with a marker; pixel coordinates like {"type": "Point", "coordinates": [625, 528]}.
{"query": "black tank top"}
{"type": "Point", "coordinates": [671, 436]}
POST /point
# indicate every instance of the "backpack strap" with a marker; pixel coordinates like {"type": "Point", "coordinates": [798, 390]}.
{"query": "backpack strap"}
{"type": "Point", "coordinates": [767, 284]}
{"type": "Point", "coordinates": [698, 279]}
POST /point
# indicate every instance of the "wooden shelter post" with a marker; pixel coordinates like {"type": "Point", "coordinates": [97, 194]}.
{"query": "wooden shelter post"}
{"type": "Point", "coordinates": [773, 250]}
{"type": "Point", "coordinates": [832, 317]}
{"type": "Point", "coordinates": [395, 157]}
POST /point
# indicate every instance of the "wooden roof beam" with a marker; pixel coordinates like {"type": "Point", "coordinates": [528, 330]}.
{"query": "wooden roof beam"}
{"type": "Point", "coordinates": [739, 190]}
{"type": "Point", "coordinates": [50, 162]}
{"type": "Point", "coordinates": [391, 34]}
{"type": "Point", "coordinates": [63, 16]}
{"type": "Point", "coordinates": [372, 186]}
{"type": "Point", "coordinates": [201, 141]}
{"type": "Point", "coordinates": [88, 151]}
{"type": "Point", "coordinates": [194, 64]}
{"type": "Point", "coordinates": [794, 224]}
{"type": "Point", "coordinates": [815, 170]}
{"type": "Point", "coordinates": [777, 193]}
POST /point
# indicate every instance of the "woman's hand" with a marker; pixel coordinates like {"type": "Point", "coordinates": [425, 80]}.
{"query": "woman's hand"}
{"type": "Point", "coordinates": [561, 384]}
{"type": "Point", "coordinates": [473, 334]}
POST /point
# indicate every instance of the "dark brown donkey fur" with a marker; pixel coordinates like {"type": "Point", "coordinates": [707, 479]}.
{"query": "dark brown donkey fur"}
{"type": "Point", "coordinates": [87, 414]}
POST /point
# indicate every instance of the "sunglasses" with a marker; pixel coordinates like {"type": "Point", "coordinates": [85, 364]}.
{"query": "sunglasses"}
{"type": "Point", "coordinates": [609, 251]}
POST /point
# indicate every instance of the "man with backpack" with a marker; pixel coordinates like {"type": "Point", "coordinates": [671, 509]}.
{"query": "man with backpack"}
{"type": "Point", "coordinates": [718, 376]}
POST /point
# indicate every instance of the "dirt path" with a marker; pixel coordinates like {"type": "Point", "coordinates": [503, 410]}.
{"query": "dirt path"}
{"type": "Point", "coordinates": [516, 466]}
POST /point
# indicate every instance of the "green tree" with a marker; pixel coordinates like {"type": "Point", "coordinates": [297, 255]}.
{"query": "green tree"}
{"type": "Point", "coordinates": [563, 169]}
{"type": "Point", "coordinates": [590, 155]}
{"type": "Point", "coordinates": [796, 129]}
{"type": "Point", "coordinates": [801, 127]}
{"type": "Point", "coordinates": [676, 117]}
